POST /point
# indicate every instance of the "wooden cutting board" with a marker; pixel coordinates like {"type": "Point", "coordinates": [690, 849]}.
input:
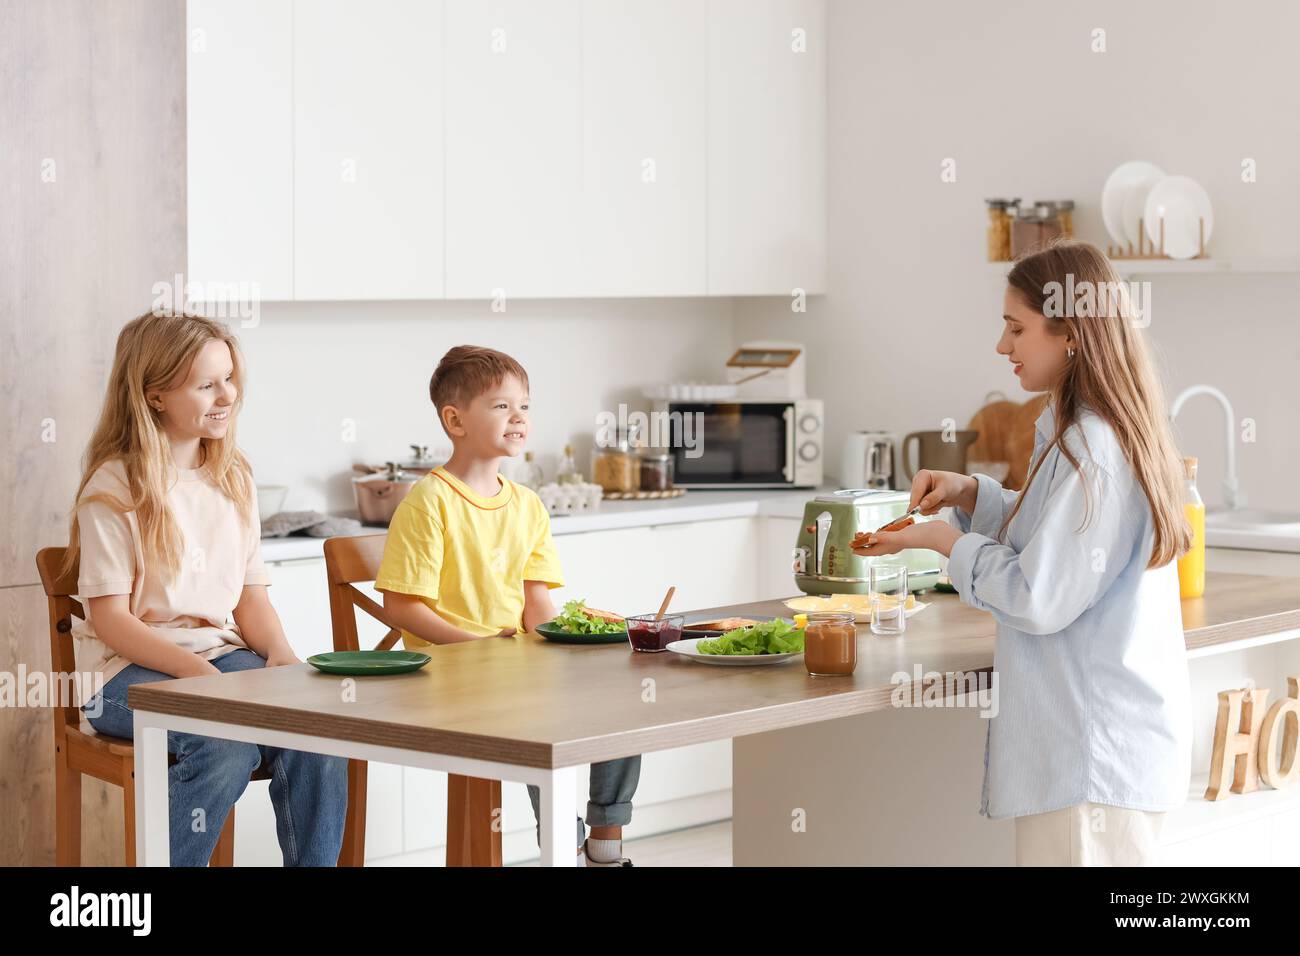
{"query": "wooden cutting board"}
{"type": "Point", "coordinates": [1007, 434]}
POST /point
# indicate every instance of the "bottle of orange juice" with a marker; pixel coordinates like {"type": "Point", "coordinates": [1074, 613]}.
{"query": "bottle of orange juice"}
{"type": "Point", "coordinates": [1191, 566]}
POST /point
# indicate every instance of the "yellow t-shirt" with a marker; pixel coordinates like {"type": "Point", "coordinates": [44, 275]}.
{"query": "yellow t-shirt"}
{"type": "Point", "coordinates": [466, 556]}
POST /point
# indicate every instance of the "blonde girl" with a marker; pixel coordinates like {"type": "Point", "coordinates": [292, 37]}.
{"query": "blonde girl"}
{"type": "Point", "coordinates": [1092, 741]}
{"type": "Point", "coordinates": [166, 534]}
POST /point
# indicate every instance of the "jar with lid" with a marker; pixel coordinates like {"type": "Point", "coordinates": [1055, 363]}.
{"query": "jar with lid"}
{"type": "Point", "coordinates": [999, 228]}
{"type": "Point", "coordinates": [830, 644]}
{"type": "Point", "coordinates": [1035, 226]}
{"type": "Point", "coordinates": [1065, 209]}
{"type": "Point", "coordinates": [614, 466]}
{"type": "Point", "coordinates": [656, 470]}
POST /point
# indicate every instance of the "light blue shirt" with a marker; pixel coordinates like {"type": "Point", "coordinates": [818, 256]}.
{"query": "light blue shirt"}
{"type": "Point", "coordinates": [1090, 656]}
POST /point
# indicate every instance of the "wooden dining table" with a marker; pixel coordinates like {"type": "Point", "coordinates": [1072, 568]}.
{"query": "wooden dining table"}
{"type": "Point", "coordinates": [527, 710]}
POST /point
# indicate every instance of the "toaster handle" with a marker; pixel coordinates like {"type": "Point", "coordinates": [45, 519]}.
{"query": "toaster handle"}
{"type": "Point", "coordinates": [788, 470]}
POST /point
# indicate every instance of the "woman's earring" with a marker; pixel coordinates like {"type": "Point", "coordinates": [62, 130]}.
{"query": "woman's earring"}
{"type": "Point", "coordinates": [1069, 353]}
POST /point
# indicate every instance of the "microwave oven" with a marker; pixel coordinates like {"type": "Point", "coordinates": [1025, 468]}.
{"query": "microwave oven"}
{"type": "Point", "coordinates": [744, 443]}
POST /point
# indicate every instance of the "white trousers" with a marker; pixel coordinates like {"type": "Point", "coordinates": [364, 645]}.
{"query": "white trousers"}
{"type": "Point", "coordinates": [1089, 834]}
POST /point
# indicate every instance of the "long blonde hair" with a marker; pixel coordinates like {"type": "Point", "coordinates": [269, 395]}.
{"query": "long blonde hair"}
{"type": "Point", "coordinates": [154, 353]}
{"type": "Point", "coordinates": [1112, 373]}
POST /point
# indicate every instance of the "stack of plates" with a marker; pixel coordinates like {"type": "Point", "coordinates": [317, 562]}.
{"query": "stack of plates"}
{"type": "Point", "coordinates": [1141, 190]}
{"type": "Point", "coordinates": [690, 391]}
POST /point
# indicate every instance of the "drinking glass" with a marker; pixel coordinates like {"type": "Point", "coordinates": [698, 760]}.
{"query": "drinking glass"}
{"type": "Point", "coordinates": [888, 599]}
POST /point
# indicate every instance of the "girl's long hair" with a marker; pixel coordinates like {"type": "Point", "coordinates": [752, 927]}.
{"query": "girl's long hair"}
{"type": "Point", "coordinates": [154, 353]}
{"type": "Point", "coordinates": [1112, 373]}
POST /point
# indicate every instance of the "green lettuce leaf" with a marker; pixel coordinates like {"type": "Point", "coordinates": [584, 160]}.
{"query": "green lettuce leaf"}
{"type": "Point", "coordinates": [574, 620]}
{"type": "Point", "coordinates": [770, 637]}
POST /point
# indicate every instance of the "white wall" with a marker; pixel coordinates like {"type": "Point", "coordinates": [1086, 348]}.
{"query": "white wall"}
{"type": "Point", "coordinates": [1012, 92]}
{"type": "Point", "coordinates": [313, 365]}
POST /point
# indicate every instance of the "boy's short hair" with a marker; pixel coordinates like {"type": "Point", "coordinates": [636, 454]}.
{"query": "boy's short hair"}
{"type": "Point", "coordinates": [467, 371]}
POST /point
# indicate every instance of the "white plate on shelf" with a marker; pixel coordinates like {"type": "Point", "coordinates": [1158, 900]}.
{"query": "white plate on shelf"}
{"type": "Point", "coordinates": [1182, 202]}
{"type": "Point", "coordinates": [686, 648]}
{"type": "Point", "coordinates": [1135, 205]}
{"type": "Point", "coordinates": [1113, 195]}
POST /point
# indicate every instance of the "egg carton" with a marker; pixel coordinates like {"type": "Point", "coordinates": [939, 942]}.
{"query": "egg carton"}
{"type": "Point", "coordinates": [570, 499]}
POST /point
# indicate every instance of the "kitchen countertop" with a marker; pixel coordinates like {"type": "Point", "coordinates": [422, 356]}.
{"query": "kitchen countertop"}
{"type": "Point", "coordinates": [692, 506]}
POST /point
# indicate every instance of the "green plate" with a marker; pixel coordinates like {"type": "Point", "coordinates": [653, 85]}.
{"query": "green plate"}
{"type": "Point", "coordinates": [560, 636]}
{"type": "Point", "coordinates": [367, 663]}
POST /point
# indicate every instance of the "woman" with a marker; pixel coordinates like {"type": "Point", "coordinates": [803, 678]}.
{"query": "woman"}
{"type": "Point", "coordinates": [1092, 742]}
{"type": "Point", "coordinates": [166, 530]}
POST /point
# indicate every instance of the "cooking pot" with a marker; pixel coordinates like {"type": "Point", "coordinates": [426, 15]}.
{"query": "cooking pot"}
{"type": "Point", "coordinates": [378, 493]}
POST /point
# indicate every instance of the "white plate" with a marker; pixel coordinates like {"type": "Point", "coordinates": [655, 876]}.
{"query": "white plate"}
{"type": "Point", "coordinates": [1135, 208]}
{"type": "Point", "coordinates": [686, 648]}
{"type": "Point", "coordinates": [1124, 177]}
{"type": "Point", "coordinates": [1182, 202]}
{"type": "Point", "coordinates": [811, 604]}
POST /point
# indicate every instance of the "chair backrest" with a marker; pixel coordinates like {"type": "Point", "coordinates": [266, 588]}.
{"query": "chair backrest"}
{"type": "Point", "coordinates": [349, 560]}
{"type": "Point", "coordinates": [59, 589]}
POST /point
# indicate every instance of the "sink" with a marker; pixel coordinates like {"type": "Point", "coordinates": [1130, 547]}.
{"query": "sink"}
{"type": "Point", "coordinates": [1253, 529]}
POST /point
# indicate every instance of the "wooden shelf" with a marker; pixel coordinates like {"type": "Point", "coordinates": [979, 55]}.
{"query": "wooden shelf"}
{"type": "Point", "coordinates": [1208, 266]}
{"type": "Point", "coordinates": [1198, 816]}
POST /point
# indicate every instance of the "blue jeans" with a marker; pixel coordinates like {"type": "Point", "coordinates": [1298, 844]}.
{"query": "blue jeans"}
{"type": "Point", "coordinates": [308, 791]}
{"type": "Point", "coordinates": [613, 782]}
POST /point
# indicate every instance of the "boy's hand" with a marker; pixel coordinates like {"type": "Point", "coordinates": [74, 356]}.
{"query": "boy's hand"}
{"type": "Point", "coordinates": [507, 632]}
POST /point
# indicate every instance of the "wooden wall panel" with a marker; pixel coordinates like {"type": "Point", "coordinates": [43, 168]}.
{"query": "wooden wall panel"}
{"type": "Point", "coordinates": [92, 215]}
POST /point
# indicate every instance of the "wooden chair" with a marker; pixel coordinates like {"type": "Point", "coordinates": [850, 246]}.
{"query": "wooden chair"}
{"type": "Point", "coordinates": [78, 748]}
{"type": "Point", "coordinates": [471, 801]}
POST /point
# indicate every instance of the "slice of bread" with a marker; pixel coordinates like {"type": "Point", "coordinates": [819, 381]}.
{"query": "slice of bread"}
{"type": "Point", "coordinates": [600, 615]}
{"type": "Point", "coordinates": [723, 624]}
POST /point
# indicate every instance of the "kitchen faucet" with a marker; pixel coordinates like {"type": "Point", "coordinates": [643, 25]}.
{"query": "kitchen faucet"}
{"type": "Point", "coordinates": [1232, 496]}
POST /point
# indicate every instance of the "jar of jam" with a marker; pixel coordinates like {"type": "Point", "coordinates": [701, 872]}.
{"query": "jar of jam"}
{"type": "Point", "coordinates": [656, 471]}
{"type": "Point", "coordinates": [830, 644]}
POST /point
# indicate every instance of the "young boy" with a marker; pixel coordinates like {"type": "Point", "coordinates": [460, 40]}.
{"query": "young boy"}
{"type": "Point", "coordinates": [469, 554]}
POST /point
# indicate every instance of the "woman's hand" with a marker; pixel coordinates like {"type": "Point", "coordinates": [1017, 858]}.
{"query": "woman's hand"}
{"type": "Point", "coordinates": [931, 535]}
{"type": "Point", "coordinates": [281, 658]}
{"type": "Point", "coordinates": [508, 632]}
{"type": "Point", "coordinates": [933, 490]}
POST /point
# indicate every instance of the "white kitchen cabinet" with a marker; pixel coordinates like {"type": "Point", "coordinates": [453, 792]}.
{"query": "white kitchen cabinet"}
{"type": "Point", "coordinates": [767, 146]}
{"type": "Point", "coordinates": [711, 563]}
{"type": "Point", "coordinates": [239, 149]}
{"type": "Point", "coordinates": [606, 569]}
{"type": "Point", "coordinates": [776, 556]}
{"type": "Point", "coordinates": [513, 148]}
{"type": "Point", "coordinates": [644, 161]}
{"type": "Point", "coordinates": [367, 133]}
{"type": "Point", "coordinates": [459, 149]}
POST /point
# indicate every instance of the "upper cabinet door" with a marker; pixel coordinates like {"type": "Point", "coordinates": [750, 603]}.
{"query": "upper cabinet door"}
{"type": "Point", "coordinates": [644, 138]}
{"type": "Point", "coordinates": [767, 147]}
{"type": "Point", "coordinates": [368, 163]}
{"type": "Point", "coordinates": [239, 148]}
{"type": "Point", "coordinates": [514, 163]}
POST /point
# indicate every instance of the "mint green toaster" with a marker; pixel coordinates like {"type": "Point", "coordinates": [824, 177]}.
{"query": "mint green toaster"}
{"type": "Point", "coordinates": [824, 562]}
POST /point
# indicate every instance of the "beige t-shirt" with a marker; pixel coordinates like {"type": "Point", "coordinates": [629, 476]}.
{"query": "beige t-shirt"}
{"type": "Point", "coordinates": [221, 554]}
